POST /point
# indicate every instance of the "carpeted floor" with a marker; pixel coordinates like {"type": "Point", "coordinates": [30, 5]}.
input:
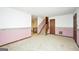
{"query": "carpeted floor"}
{"type": "Point", "coordinates": [44, 43]}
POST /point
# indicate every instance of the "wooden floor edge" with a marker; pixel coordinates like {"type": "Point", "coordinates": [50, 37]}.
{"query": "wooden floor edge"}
{"type": "Point", "coordinates": [63, 36]}
{"type": "Point", "coordinates": [15, 41]}
{"type": "Point", "coordinates": [77, 44]}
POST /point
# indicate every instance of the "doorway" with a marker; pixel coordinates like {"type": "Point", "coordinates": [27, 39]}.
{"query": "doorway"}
{"type": "Point", "coordinates": [52, 26]}
{"type": "Point", "coordinates": [75, 27]}
{"type": "Point", "coordinates": [34, 25]}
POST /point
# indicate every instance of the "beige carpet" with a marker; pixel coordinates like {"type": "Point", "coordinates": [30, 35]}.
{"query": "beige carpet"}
{"type": "Point", "coordinates": [44, 43]}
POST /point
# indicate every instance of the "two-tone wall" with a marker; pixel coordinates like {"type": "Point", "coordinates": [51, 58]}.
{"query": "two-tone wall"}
{"type": "Point", "coordinates": [14, 25]}
{"type": "Point", "coordinates": [64, 23]}
{"type": "Point", "coordinates": [77, 11]}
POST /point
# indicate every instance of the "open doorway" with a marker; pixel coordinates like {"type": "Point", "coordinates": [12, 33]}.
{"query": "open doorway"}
{"type": "Point", "coordinates": [34, 25]}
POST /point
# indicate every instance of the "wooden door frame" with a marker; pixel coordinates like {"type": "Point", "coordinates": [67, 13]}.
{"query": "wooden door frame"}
{"type": "Point", "coordinates": [75, 27]}
{"type": "Point", "coordinates": [46, 24]}
{"type": "Point", "coordinates": [50, 25]}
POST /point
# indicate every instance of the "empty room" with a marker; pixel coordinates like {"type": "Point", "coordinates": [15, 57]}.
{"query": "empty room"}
{"type": "Point", "coordinates": [39, 29]}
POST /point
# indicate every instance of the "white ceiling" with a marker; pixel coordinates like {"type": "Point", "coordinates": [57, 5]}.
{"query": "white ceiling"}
{"type": "Point", "coordinates": [47, 11]}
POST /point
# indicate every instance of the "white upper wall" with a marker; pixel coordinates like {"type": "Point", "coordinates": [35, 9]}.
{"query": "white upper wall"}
{"type": "Point", "coordinates": [40, 19]}
{"type": "Point", "coordinates": [78, 18]}
{"type": "Point", "coordinates": [63, 20]}
{"type": "Point", "coordinates": [12, 18]}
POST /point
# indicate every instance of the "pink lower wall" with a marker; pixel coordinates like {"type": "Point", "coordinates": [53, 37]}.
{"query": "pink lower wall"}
{"type": "Point", "coordinates": [41, 26]}
{"type": "Point", "coordinates": [10, 35]}
{"type": "Point", "coordinates": [78, 36]}
{"type": "Point", "coordinates": [67, 31]}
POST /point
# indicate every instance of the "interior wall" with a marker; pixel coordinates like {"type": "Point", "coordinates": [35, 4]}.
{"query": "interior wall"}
{"type": "Point", "coordinates": [40, 19]}
{"type": "Point", "coordinates": [11, 18]}
{"type": "Point", "coordinates": [14, 25]}
{"type": "Point", "coordinates": [77, 18]}
{"type": "Point", "coordinates": [77, 11]}
{"type": "Point", "coordinates": [64, 23]}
